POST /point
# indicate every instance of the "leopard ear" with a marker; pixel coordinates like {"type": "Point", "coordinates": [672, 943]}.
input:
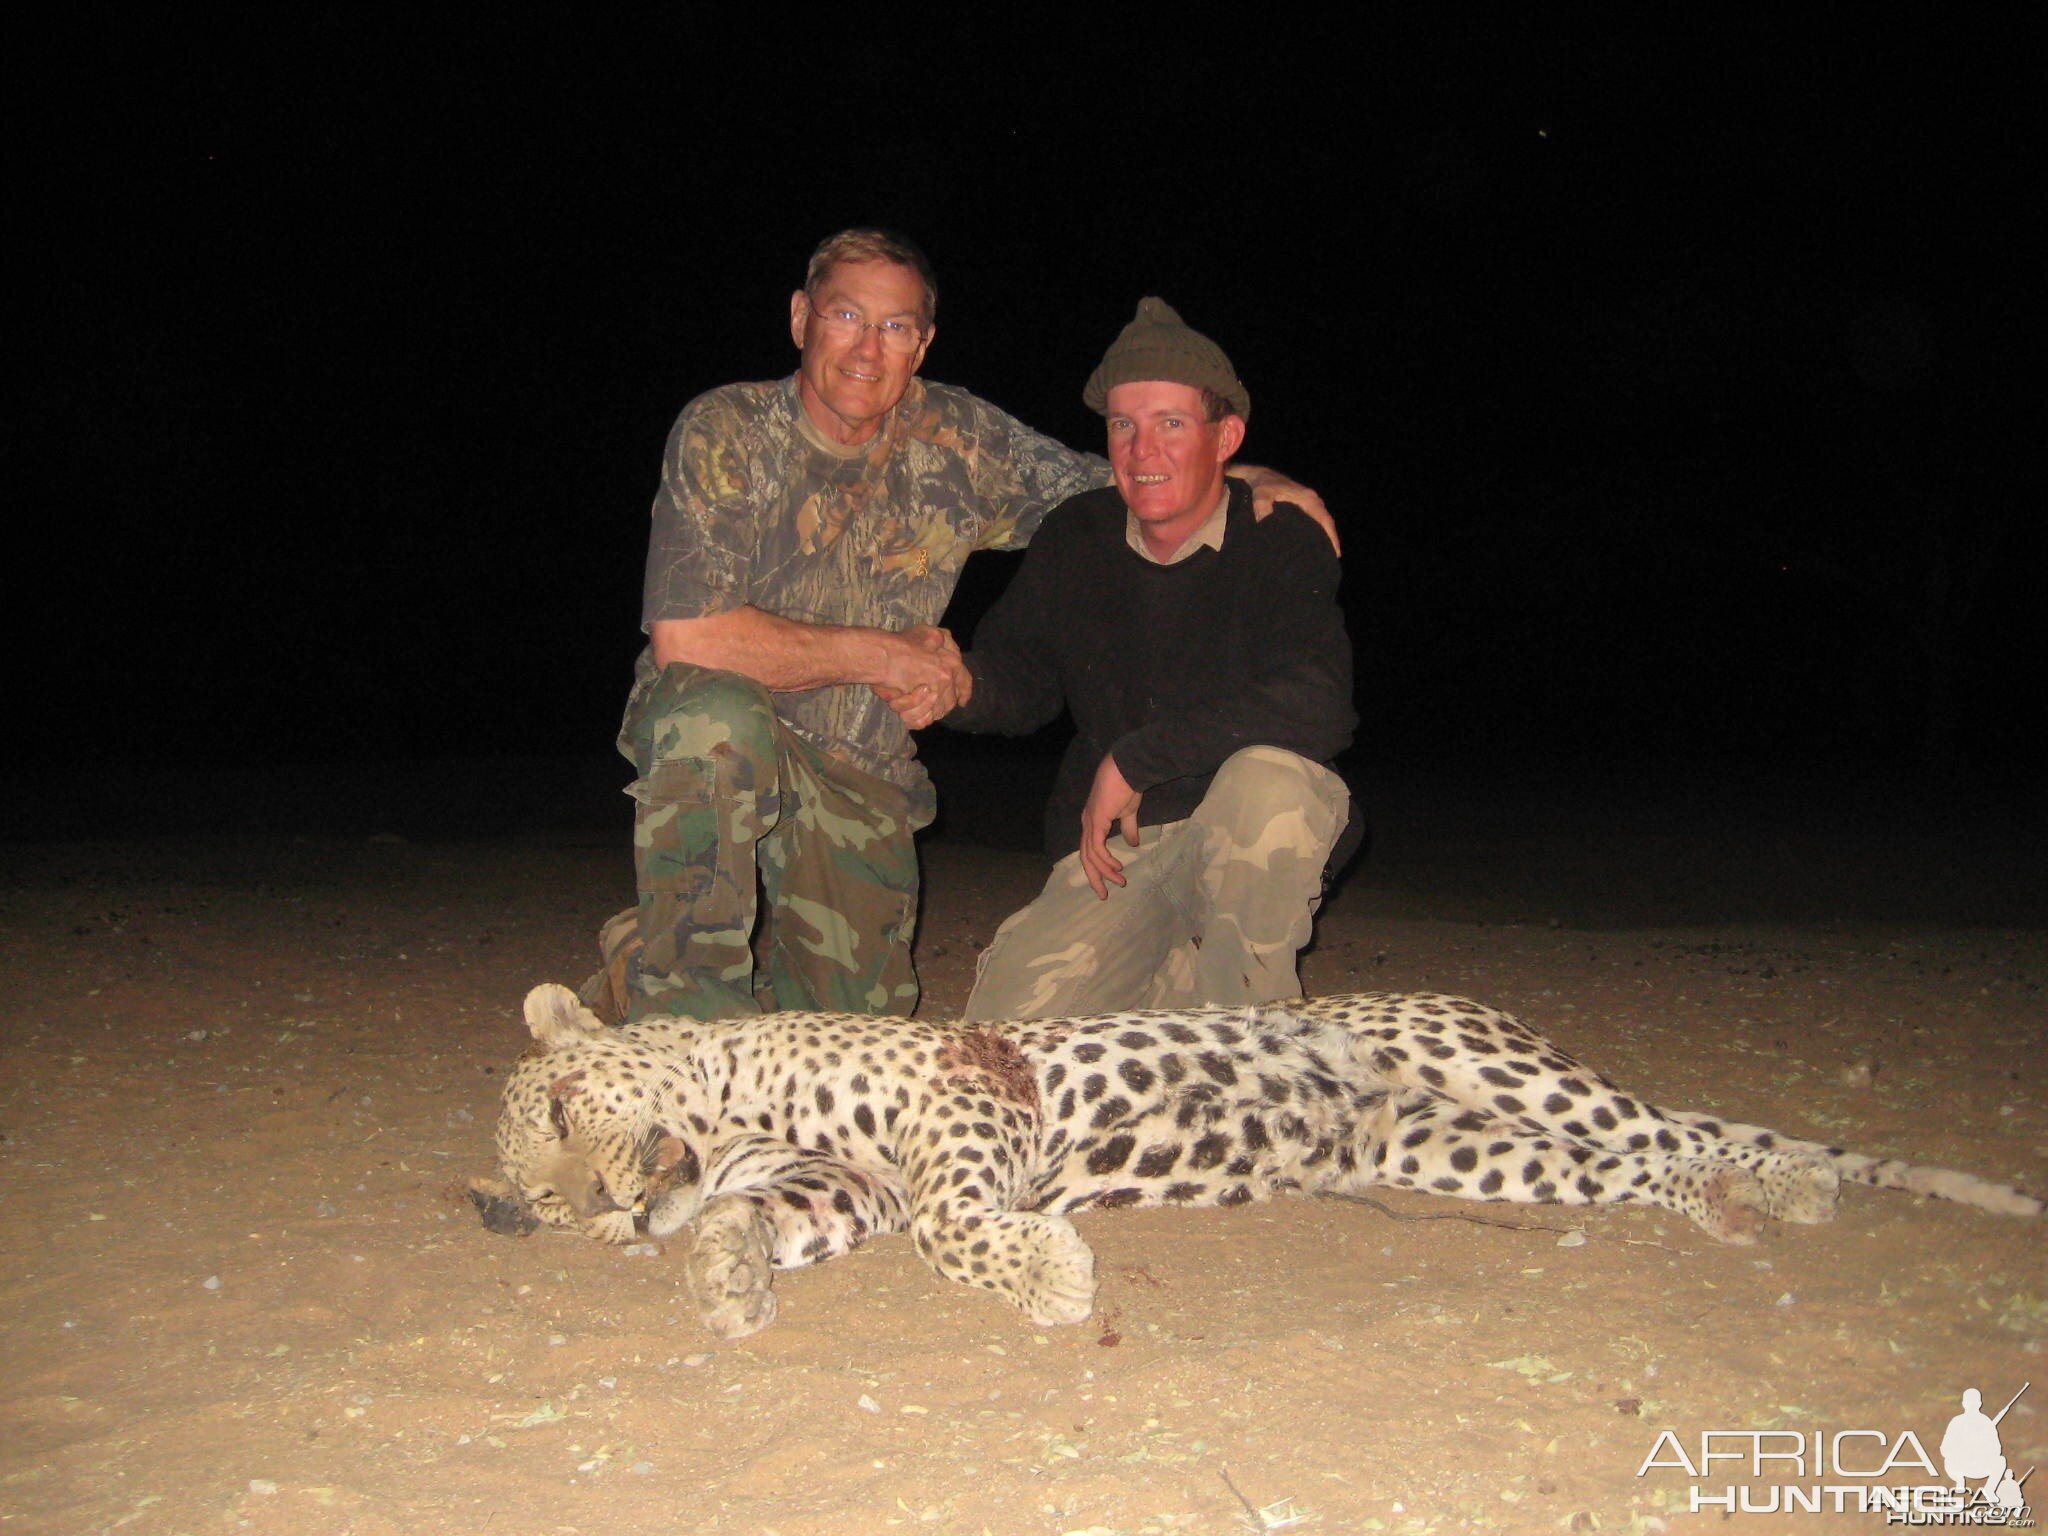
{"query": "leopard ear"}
{"type": "Point", "coordinates": [557, 1017]}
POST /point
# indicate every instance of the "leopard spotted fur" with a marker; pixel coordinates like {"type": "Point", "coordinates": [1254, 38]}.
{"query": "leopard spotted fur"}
{"type": "Point", "coordinates": [791, 1138]}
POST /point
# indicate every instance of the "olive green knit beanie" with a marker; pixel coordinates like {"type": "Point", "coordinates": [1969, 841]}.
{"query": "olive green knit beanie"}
{"type": "Point", "coordinates": [1158, 344]}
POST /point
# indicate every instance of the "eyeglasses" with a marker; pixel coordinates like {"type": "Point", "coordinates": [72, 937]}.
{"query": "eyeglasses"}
{"type": "Point", "coordinates": [850, 325]}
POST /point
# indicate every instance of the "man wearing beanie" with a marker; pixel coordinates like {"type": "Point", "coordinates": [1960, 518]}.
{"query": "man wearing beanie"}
{"type": "Point", "coordinates": [805, 539]}
{"type": "Point", "coordinates": [1204, 659]}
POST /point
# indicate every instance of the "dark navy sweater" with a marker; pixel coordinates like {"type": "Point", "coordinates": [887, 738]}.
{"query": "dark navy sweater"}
{"type": "Point", "coordinates": [1172, 668]}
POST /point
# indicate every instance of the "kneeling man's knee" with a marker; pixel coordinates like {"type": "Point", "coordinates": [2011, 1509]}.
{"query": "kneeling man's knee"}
{"type": "Point", "coordinates": [1256, 784]}
{"type": "Point", "coordinates": [1272, 810]}
{"type": "Point", "coordinates": [692, 711]}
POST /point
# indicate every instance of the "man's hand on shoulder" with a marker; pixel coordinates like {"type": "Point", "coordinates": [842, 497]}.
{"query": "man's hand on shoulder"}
{"type": "Point", "coordinates": [1270, 489]}
{"type": "Point", "coordinates": [1111, 803]}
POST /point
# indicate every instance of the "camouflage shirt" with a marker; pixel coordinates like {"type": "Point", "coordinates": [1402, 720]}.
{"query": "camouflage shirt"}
{"type": "Point", "coordinates": [754, 510]}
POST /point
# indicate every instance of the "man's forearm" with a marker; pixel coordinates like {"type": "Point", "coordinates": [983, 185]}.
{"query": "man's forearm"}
{"type": "Point", "coordinates": [782, 655]}
{"type": "Point", "coordinates": [918, 670]}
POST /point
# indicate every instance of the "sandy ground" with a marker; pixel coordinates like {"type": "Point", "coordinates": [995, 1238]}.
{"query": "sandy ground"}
{"type": "Point", "coordinates": [245, 1079]}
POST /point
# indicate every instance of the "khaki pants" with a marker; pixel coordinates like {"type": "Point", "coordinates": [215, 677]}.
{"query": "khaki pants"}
{"type": "Point", "coordinates": [1214, 909]}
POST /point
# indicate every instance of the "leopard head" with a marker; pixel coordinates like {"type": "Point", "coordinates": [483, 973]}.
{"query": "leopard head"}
{"type": "Point", "coordinates": [578, 1135]}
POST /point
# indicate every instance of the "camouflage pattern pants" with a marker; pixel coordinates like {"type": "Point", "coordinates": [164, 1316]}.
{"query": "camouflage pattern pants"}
{"type": "Point", "coordinates": [1214, 909]}
{"type": "Point", "coordinates": [730, 803]}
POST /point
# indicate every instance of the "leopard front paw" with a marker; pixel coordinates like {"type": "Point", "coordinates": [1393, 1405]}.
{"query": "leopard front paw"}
{"type": "Point", "coordinates": [1058, 1282]}
{"type": "Point", "coordinates": [729, 1269]}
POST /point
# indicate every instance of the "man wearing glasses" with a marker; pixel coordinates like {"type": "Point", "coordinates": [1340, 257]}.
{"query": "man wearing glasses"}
{"type": "Point", "coordinates": [806, 539]}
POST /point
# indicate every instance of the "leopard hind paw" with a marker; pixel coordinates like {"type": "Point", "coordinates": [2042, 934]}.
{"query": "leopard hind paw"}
{"type": "Point", "coordinates": [1800, 1188]}
{"type": "Point", "coordinates": [1732, 1203]}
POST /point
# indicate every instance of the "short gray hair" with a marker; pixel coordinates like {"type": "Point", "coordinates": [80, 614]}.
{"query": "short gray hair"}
{"type": "Point", "coordinates": [874, 245]}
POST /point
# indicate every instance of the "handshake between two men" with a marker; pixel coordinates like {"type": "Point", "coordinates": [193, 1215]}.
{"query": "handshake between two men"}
{"type": "Point", "coordinates": [926, 677]}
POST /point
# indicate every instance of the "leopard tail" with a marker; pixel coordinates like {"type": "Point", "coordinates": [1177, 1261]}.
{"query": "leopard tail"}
{"type": "Point", "coordinates": [1876, 1172]}
{"type": "Point", "coordinates": [1941, 1183]}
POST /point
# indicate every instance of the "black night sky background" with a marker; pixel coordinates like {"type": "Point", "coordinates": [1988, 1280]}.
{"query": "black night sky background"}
{"type": "Point", "coordinates": [1662, 367]}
